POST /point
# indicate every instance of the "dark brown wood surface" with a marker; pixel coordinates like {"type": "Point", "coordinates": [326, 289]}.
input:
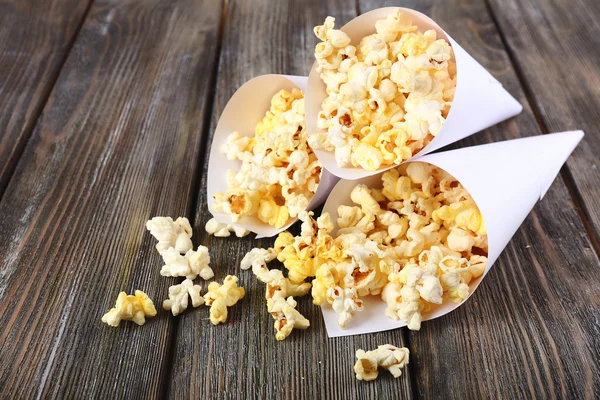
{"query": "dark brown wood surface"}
{"type": "Point", "coordinates": [555, 46]}
{"type": "Point", "coordinates": [124, 136]}
{"type": "Point", "coordinates": [117, 143]}
{"type": "Point", "coordinates": [35, 37]}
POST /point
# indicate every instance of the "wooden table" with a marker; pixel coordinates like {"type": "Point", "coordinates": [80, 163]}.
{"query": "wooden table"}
{"type": "Point", "coordinates": [107, 109]}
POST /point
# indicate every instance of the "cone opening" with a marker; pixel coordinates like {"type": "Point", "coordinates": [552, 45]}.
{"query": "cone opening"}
{"type": "Point", "coordinates": [356, 29]}
{"type": "Point", "coordinates": [243, 111]}
{"type": "Point", "coordinates": [366, 321]}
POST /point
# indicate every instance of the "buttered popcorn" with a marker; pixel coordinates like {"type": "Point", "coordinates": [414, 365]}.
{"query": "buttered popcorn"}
{"type": "Point", "coordinates": [386, 356]}
{"type": "Point", "coordinates": [220, 297]}
{"type": "Point", "coordinates": [279, 173]}
{"type": "Point", "coordinates": [179, 294]}
{"type": "Point", "coordinates": [388, 96]}
{"type": "Point", "coordinates": [220, 229]}
{"type": "Point", "coordinates": [415, 242]}
{"type": "Point", "coordinates": [130, 308]}
{"type": "Point", "coordinates": [418, 239]}
{"type": "Point", "coordinates": [280, 292]}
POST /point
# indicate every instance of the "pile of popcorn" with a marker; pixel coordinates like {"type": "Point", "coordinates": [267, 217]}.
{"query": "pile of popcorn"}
{"type": "Point", "coordinates": [279, 173]}
{"type": "Point", "coordinates": [388, 97]}
{"type": "Point", "coordinates": [418, 240]}
{"type": "Point", "coordinates": [175, 247]}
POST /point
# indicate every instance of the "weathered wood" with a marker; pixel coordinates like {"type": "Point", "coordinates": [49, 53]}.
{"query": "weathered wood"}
{"type": "Point", "coordinates": [35, 37]}
{"type": "Point", "coordinates": [529, 330]}
{"type": "Point", "coordinates": [556, 48]}
{"type": "Point", "coordinates": [242, 358]}
{"type": "Point", "coordinates": [117, 143]}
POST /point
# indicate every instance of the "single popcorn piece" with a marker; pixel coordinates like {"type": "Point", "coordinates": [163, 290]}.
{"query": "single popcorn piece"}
{"type": "Point", "coordinates": [178, 297]}
{"type": "Point", "coordinates": [219, 229]}
{"type": "Point", "coordinates": [386, 356]}
{"type": "Point", "coordinates": [366, 366]}
{"type": "Point", "coordinates": [279, 173]}
{"type": "Point", "coordinates": [192, 264]}
{"type": "Point", "coordinates": [345, 303]}
{"type": "Point", "coordinates": [130, 308]}
{"type": "Point", "coordinates": [169, 233]}
{"type": "Point", "coordinates": [259, 257]}
{"type": "Point", "coordinates": [387, 96]}
{"type": "Point", "coordinates": [220, 297]}
{"type": "Point", "coordinates": [287, 318]}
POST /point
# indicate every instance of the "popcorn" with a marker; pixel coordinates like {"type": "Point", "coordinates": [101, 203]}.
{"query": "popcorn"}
{"type": "Point", "coordinates": [130, 308]}
{"type": "Point", "coordinates": [277, 284]}
{"type": "Point", "coordinates": [257, 256]}
{"type": "Point", "coordinates": [178, 297]}
{"type": "Point", "coordinates": [388, 97]}
{"type": "Point", "coordinates": [279, 174]}
{"type": "Point", "coordinates": [386, 356]}
{"type": "Point", "coordinates": [192, 264]}
{"type": "Point", "coordinates": [171, 234]}
{"type": "Point", "coordinates": [287, 318]}
{"type": "Point", "coordinates": [400, 242]}
{"type": "Point", "coordinates": [344, 302]}
{"type": "Point", "coordinates": [219, 229]}
{"type": "Point", "coordinates": [219, 297]}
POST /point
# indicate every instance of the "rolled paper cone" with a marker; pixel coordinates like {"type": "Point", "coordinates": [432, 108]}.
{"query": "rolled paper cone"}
{"type": "Point", "coordinates": [244, 110]}
{"type": "Point", "coordinates": [505, 179]}
{"type": "Point", "coordinates": [479, 102]}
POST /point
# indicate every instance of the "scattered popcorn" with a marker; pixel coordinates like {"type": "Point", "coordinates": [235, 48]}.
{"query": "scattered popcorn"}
{"type": "Point", "coordinates": [178, 297]}
{"type": "Point", "coordinates": [219, 229]}
{"type": "Point", "coordinates": [257, 256]}
{"type": "Point", "coordinates": [192, 264]}
{"type": "Point", "coordinates": [277, 284]}
{"type": "Point", "coordinates": [388, 95]}
{"type": "Point", "coordinates": [219, 297]}
{"type": "Point", "coordinates": [171, 234]}
{"type": "Point", "coordinates": [279, 288]}
{"type": "Point", "coordinates": [386, 356]}
{"type": "Point", "coordinates": [279, 173]}
{"type": "Point", "coordinates": [130, 308]}
{"type": "Point", "coordinates": [287, 318]}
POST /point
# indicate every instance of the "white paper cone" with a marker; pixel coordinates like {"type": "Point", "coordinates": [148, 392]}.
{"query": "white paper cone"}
{"type": "Point", "coordinates": [480, 100]}
{"type": "Point", "coordinates": [505, 179]}
{"type": "Point", "coordinates": [245, 108]}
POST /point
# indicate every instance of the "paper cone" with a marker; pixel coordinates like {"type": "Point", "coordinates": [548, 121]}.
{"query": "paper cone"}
{"type": "Point", "coordinates": [480, 100]}
{"type": "Point", "coordinates": [245, 108]}
{"type": "Point", "coordinates": [505, 179]}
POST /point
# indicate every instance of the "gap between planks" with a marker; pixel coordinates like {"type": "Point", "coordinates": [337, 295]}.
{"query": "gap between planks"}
{"type": "Point", "coordinates": [37, 112]}
{"type": "Point", "coordinates": [565, 172]}
{"type": "Point", "coordinates": [166, 380]}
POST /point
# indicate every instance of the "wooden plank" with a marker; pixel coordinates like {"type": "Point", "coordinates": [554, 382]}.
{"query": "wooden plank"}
{"type": "Point", "coordinates": [556, 50]}
{"type": "Point", "coordinates": [531, 329]}
{"type": "Point", "coordinates": [117, 143]}
{"type": "Point", "coordinates": [242, 358]}
{"type": "Point", "coordinates": [35, 38]}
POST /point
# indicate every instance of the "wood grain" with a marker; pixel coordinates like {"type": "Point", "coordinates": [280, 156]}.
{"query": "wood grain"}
{"type": "Point", "coordinates": [241, 358]}
{"type": "Point", "coordinates": [117, 143]}
{"type": "Point", "coordinates": [530, 330]}
{"type": "Point", "coordinates": [35, 37]}
{"type": "Point", "coordinates": [556, 49]}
